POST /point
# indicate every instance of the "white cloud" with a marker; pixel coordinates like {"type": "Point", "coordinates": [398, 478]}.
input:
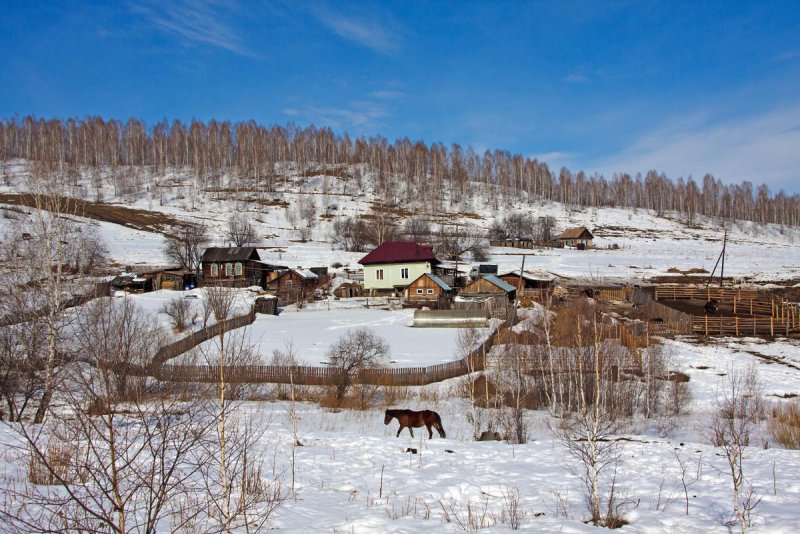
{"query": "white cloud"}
{"type": "Point", "coordinates": [362, 31]}
{"type": "Point", "coordinates": [761, 148]}
{"type": "Point", "coordinates": [200, 21]}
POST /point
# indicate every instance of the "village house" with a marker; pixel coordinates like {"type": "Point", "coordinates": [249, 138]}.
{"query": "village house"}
{"type": "Point", "coordinates": [430, 290]}
{"type": "Point", "coordinates": [235, 266]}
{"type": "Point", "coordinates": [391, 267]}
{"type": "Point", "coordinates": [529, 280]}
{"type": "Point", "coordinates": [580, 238]}
{"type": "Point", "coordinates": [294, 285]}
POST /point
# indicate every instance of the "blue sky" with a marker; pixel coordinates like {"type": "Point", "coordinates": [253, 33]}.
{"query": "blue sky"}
{"type": "Point", "coordinates": [616, 86]}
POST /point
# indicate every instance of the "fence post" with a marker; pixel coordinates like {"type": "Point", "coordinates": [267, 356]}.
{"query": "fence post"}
{"type": "Point", "coordinates": [772, 326]}
{"type": "Point", "coordinates": [706, 325]}
{"type": "Point", "coordinates": [737, 326]}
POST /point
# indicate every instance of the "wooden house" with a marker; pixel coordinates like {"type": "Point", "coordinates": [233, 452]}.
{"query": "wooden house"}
{"type": "Point", "coordinates": [428, 289]}
{"type": "Point", "coordinates": [235, 266]}
{"type": "Point", "coordinates": [294, 285]}
{"type": "Point", "coordinates": [488, 285]}
{"type": "Point", "coordinates": [394, 264]}
{"type": "Point", "coordinates": [580, 238]}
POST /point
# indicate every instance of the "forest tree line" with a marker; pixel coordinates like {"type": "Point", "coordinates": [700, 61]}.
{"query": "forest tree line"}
{"type": "Point", "coordinates": [406, 171]}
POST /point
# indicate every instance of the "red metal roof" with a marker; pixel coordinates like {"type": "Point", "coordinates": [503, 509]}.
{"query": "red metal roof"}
{"type": "Point", "coordinates": [399, 252]}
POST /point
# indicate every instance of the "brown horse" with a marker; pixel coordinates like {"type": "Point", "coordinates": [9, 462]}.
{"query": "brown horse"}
{"type": "Point", "coordinates": [410, 418]}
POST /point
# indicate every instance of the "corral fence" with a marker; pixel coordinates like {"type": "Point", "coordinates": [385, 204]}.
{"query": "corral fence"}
{"type": "Point", "coordinates": [745, 326]}
{"type": "Point", "coordinates": [768, 315]}
{"type": "Point", "coordinates": [661, 320]}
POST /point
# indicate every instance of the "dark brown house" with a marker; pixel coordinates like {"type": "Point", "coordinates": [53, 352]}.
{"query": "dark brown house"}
{"type": "Point", "coordinates": [428, 288]}
{"type": "Point", "coordinates": [237, 266]}
{"type": "Point", "coordinates": [580, 238]}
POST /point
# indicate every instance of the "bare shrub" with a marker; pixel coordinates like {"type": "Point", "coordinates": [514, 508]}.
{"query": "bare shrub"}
{"type": "Point", "coordinates": [784, 425]}
{"type": "Point", "coordinates": [178, 311]}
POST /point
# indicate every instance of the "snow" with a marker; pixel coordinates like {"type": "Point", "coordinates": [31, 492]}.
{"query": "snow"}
{"type": "Point", "coordinates": [353, 474]}
{"type": "Point", "coordinates": [311, 332]}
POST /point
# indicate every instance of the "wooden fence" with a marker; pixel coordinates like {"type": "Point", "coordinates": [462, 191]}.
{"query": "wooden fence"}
{"type": "Point", "coordinates": [661, 319]}
{"type": "Point", "coordinates": [100, 289]}
{"type": "Point", "coordinates": [744, 326]}
{"type": "Point", "coordinates": [167, 352]}
{"type": "Point", "coordinates": [722, 294]}
{"type": "Point", "coordinates": [322, 376]}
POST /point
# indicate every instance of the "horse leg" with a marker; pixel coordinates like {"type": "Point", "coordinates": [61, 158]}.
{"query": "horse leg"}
{"type": "Point", "coordinates": [398, 431]}
{"type": "Point", "coordinates": [411, 430]}
{"type": "Point", "coordinates": [430, 432]}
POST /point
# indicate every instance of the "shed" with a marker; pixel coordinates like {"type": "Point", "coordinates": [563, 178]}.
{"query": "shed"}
{"type": "Point", "coordinates": [529, 280]}
{"type": "Point", "coordinates": [294, 285]}
{"type": "Point", "coordinates": [489, 285]}
{"type": "Point", "coordinates": [266, 304]}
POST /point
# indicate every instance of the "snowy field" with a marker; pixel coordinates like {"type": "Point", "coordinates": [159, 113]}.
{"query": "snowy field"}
{"type": "Point", "coordinates": [311, 332]}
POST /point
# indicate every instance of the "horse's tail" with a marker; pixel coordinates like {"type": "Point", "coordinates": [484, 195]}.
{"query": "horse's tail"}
{"type": "Point", "coordinates": [438, 425]}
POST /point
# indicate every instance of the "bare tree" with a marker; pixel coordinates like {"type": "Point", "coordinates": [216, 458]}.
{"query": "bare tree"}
{"type": "Point", "coordinates": [354, 351]}
{"type": "Point", "coordinates": [240, 231]}
{"type": "Point", "coordinates": [740, 408]}
{"type": "Point", "coordinates": [186, 245]}
{"type": "Point", "coordinates": [417, 229]}
{"type": "Point", "coordinates": [351, 234]}
{"type": "Point", "coordinates": [117, 468]}
{"type": "Point", "coordinates": [588, 431]}
{"type": "Point", "coordinates": [453, 242]}
{"type": "Point", "coordinates": [238, 492]}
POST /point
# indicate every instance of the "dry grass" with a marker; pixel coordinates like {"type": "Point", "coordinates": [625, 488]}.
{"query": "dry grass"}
{"type": "Point", "coordinates": [784, 425]}
{"type": "Point", "coordinates": [56, 466]}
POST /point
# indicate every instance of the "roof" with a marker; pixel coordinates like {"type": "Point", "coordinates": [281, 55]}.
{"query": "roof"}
{"type": "Point", "coordinates": [436, 280]}
{"type": "Point", "coordinates": [399, 252]}
{"type": "Point", "coordinates": [575, 233]}
{"type": "Point", "coordinates": [530, 276]}
{"type": "Point", "coordinates": [505, 286]}
{"type": "Point", "coordinates": [224, 254]}
{"type": "Point", "coordinates": [302, 273]}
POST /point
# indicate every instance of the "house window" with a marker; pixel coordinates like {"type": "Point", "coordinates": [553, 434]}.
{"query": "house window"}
{"type": "Point", "coordinates": [404, 273]}
{"type": "Point", "coordinates": [214, 270]}
{"type": "Point", "coordinates": [288, 283]}
{"type": "Point", "coordinates": [238, 269]}
{"type": "Point", "coordinates": [419, 291]}
{"type": "Point", "coordinates": [228, 269]}
{"type": "Point", "coordinates": [379, 274]}
{"type": "Point", "coordinates": [430, 291]}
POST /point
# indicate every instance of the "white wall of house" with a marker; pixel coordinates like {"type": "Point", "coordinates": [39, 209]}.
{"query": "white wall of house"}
{"type": "Point", "coordinates": [388, 275]}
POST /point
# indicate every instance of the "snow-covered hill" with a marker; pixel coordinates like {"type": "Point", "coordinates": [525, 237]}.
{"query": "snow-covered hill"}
{"type": "Point", "coordinates": [631, 245]}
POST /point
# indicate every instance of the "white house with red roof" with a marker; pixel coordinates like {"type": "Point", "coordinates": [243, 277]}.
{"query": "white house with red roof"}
{"type": "Point", "coordinates": [393, 265]}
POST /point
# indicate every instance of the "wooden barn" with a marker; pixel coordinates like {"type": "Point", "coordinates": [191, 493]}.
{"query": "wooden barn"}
{"type": "Point", "coordinates": [488, 285]}
{"type": "Point", "coordinates": [428, 289]}
{"type": "Point", "coordinates": [580, 238]}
